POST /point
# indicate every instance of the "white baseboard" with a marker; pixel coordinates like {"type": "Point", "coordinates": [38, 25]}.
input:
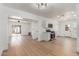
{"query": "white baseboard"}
{"type": "Point", "coordinates": [67, 36]}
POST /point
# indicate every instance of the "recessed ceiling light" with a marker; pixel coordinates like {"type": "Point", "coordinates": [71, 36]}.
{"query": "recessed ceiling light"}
{"type": "Point", "coordinates": [72, 12]}
{"type": "Point", "coordinates": [74, 15]}
{"type": "Point", "coordinates": [68, 25]}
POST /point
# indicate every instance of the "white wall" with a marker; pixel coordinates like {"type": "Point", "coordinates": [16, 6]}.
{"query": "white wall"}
{"type": "Point", "coordinates": [3, 29]}
{"type": "Point", "coordinates": [37, 29]}
{"type": "Point", "coordinates": [55, 25]}
{"type": "Point", "coordinates": [71, 32]}
{"type": "Point", "coordinates": [34, 30]}
{"type": "Point", "coordinates": [77, 41]}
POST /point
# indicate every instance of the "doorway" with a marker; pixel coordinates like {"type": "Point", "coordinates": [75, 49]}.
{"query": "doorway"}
{"type": "Point", "coordinates": [16, 29]}
{"type": "Point", "coordinates": [16, 35]}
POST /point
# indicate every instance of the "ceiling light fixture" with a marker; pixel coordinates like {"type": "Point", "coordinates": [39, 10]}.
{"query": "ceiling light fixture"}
{"type": "Point", "coordinates": [41, 5]}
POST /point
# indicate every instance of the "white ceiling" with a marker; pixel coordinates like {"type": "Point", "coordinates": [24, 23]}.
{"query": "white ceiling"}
{"type": "Point", "coordinates": [53, 9]}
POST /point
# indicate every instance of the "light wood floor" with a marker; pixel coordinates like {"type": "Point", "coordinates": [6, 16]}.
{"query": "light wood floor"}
{"type": "Point", "coordinates": [25, 46]}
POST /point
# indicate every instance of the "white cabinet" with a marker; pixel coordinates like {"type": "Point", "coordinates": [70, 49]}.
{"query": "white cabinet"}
{"type": "Point", "coordinates": [44, 36]}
